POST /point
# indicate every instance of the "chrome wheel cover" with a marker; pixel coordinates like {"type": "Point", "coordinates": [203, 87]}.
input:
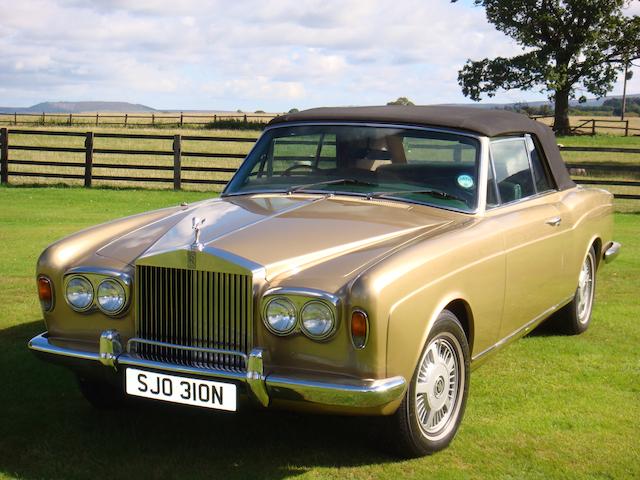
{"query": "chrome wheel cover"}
{"type": "Point", "coordinates": [584, 294]}
{"type": "Point", "coordinates": [439, 386]}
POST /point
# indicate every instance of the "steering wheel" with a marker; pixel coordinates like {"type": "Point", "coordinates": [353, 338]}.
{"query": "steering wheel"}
{"type": "Point", "coordinates": [288, 171]}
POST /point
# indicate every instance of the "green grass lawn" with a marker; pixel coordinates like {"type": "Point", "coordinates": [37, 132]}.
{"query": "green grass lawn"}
{"type": "Point", "coordinates": [547, 407]}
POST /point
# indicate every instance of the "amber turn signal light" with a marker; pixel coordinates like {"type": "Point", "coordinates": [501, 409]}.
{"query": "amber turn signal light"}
{"type": "Point", "coordinates": [359, 328]}
{"type": "Point", "coordinates": [45, 293]}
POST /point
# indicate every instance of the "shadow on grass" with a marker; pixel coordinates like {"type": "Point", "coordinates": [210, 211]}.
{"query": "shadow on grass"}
{"type": "Point", "coordinates": [47, 430]}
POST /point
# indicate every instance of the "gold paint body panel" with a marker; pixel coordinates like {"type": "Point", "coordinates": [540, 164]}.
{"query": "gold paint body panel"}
{"type": "Point", "coordinates": [402, 263]}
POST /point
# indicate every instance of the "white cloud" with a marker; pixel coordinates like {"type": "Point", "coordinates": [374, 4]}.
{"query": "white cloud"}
{"type": "Point", "coordinates": [216, 54]}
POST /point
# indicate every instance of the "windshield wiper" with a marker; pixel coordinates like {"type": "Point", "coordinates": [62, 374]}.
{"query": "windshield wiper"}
{"type": "Point", "coordinates": [307, 186]}
{"type": "Point", "coordinates": [426, 191]}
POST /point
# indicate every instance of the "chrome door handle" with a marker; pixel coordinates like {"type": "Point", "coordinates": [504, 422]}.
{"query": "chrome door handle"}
{"type": "Point", "coordinates": [554, 222]}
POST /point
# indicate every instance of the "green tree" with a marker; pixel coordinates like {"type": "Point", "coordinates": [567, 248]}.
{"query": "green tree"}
{"type": "Point", "coordinates": [569, 45]}
{"type": "Point", "coordinates": [401, 101]}
{"type": "Point", "coordinates": [293, 110]}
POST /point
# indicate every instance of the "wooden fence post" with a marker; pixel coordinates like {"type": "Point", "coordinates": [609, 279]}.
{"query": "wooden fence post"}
{"type": "Point", "coordinates": [70, 119]}
{"type": "Point", "coordinates": [88, 159]}
{"type": "Point", "coordinates": [43, 118]}
{"type": "Point", "coordinates": [126, 117]}
{"type": "Point", "coordinates": [4, 156]}
{"type": "Point", "coordinates": [15, 119]}
{"type": "Point", "coordinates": [97, 118]}
{"type": "Point", "coordinates": [215, 119]}
{"type": "Point", "coordinates": [153, 119]}
{"type": "Point", "coordinates": [626, 128]}
{"type": "Point", "coordinates": [245, 119]}
{"type": "Point", "coordinates": [181, 119]}
{"type": "Point", "coordinates": [593, 127]}
{"type": "Point", "coordinates": [177, 162]}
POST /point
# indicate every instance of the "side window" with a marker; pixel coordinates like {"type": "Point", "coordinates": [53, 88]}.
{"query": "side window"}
{"type": "Point", "coordinates": [540, 172]}
{"type": "Point", "coordinates": [512, 170]}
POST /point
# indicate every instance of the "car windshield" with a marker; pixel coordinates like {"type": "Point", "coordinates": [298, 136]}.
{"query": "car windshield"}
{"type": "Point", "coordinates": [402, 163]}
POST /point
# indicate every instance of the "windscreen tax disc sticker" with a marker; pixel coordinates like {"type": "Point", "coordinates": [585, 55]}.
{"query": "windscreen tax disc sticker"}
{"type": "Point", "coordinates": [465, 181]}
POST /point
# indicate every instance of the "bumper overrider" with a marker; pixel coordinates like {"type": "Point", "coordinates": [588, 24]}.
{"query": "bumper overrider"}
{"type": "Point", "coordinates": [339, 393]}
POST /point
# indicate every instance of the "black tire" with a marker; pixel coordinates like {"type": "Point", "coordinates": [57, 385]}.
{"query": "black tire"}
{"type": "Point", "coordinates": [575, 317]}
{"type": "Point", "coordinates": [101, 395]}
{"type": "Point", "coordinates": [412, 437]}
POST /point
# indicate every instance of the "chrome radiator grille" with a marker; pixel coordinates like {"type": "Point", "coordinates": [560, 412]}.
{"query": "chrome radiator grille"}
{"type": "Point", "coordinates": [195, 309]}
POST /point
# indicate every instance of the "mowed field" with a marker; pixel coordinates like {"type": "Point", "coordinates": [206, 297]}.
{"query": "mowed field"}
{"type": "Point", "coordinates": [549, 406]}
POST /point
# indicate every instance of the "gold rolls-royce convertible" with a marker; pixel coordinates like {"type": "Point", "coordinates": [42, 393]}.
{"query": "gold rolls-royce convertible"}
{"type": "Point", "coordinates": [361, 261]}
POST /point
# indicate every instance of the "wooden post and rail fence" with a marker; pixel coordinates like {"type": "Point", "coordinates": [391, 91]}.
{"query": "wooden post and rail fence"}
{"type": "Point", "coordinates": [154, 119]}
{"type": "Point", "coordinates": [591, 126]}
{"type": "Point", "coordinates": [595, 173]}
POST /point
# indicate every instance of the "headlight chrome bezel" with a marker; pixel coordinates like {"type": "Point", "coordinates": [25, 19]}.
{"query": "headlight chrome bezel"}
{"type": "Point", "coordinates": [95, 277]}
{"type": "Point", "coordinates": [80, 278]}
{"type": "Point", "coordinates": [124, 296]}
{"type": "Point", "coordinates": [300, 298]}
{"type": "Point", "coordinates": [269, 325]}
{"type": "Point", "coordinates": [306, 330]}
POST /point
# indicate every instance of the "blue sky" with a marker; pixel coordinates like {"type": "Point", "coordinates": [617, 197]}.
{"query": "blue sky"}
{"type": "Point", "coordinates": [247, 54]}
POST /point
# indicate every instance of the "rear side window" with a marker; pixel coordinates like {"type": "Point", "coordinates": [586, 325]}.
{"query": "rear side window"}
{"type": "Point", "coordinates": [541, 174]}
{"type": "Point", "coordinates": [512, 169]}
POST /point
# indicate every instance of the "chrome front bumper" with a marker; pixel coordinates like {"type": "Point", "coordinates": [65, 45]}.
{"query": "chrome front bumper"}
{"type": "Point", "coordinates": [611, 252]}
{"type": "Point", "coordinates": [263, 388]}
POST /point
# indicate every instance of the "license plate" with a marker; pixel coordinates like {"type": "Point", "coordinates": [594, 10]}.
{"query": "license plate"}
{"type": "Point", "coordinates": [188, 391]}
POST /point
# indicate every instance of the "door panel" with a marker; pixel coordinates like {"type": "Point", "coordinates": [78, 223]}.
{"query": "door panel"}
{"type": "Point", "coordinates": [536, 232]}
{"type": "Point", "coordinates": [534, 242]}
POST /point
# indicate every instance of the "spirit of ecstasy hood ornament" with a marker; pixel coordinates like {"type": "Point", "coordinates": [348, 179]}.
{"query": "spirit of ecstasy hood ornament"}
{"type": "Point", "coordinates": [196, 225]}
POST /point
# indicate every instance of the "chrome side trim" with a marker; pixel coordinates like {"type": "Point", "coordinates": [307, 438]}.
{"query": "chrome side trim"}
{"type": "Point", "coordinates": [612, 251]}
{"type": "Point", "coordinates": [522, 331]}
{"type": "Point", "coordinates": [321, 390]}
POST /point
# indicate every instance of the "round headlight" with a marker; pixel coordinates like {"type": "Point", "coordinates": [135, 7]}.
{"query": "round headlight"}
{"type": "Point", "coordinates": [317, 319]}
{"type": "Point", "coordinates": [79, 293]}
{"type": "Point", "coordinates": [111, 296]}
{"type": "Point", "coordinates": [280, 316]}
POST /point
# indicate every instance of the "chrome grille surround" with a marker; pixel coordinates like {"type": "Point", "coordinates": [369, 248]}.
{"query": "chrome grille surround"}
{"type": "Point", "coordinates": [209, 311]}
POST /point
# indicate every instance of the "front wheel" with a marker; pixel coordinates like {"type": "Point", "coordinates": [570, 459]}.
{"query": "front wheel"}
{"type": "Point", "coordinates": [433, 407]}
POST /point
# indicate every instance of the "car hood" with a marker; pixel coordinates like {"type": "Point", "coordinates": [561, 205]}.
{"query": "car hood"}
{"type": "Point", "coordinates": [287, 233]}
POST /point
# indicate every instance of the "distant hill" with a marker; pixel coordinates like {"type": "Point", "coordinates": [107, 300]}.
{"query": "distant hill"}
{"type": "Point", "coordinates": [78, 107]}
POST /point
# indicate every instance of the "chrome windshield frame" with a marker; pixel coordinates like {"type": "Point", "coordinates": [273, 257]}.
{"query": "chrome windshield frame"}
{"type": "Point", "coordinates": [483, 143]}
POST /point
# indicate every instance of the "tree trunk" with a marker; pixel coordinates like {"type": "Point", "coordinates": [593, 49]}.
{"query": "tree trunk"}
{"type": "Point", "coordinates": [561, 115]}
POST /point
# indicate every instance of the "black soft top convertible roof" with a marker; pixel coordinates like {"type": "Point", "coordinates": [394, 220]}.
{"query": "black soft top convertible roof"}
{"type": "Point", "coordinates": [490, 123]}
